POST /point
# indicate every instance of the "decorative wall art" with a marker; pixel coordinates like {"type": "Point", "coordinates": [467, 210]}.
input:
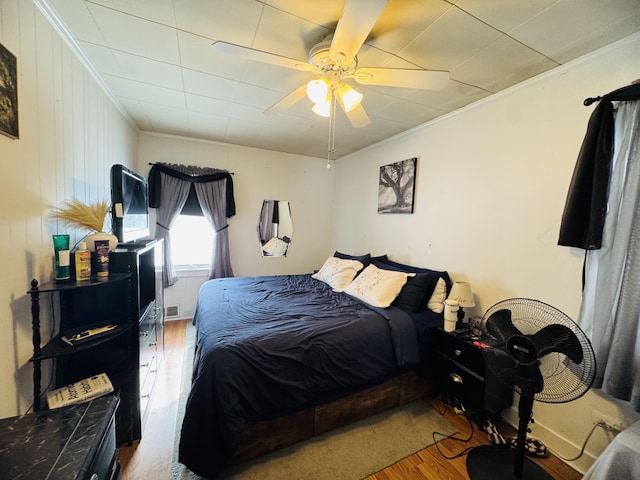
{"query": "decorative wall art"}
{"type": "Point", "coordinates": [396, 187]}
{"type": "Point", "coordinates": [8, 93]}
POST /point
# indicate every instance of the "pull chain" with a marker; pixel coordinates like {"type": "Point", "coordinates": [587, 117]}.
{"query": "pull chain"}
{"type": "Point", "coordinates": [331, 148]}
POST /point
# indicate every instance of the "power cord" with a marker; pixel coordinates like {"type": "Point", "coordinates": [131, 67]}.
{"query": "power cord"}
{"type": "Point", "coordinates": [602, 425]}
{"type": "Point", "coordinates": [458, 407]}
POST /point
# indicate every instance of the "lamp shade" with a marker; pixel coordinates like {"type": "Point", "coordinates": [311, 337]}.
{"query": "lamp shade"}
{"type": "Point", "coordinates": [349, 97]}
{"type": "Point", "coordinates": [317, 90]}
{"type": "Point", "coordinates": [461, 291]}
{"type": "Point", "coordinates": [322, 108]}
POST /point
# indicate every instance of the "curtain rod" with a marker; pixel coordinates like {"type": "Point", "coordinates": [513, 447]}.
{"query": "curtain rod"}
{"type": "Point", "coordinates": [630, 92]}
{"type": "Point", "coordinates": [225, 171]}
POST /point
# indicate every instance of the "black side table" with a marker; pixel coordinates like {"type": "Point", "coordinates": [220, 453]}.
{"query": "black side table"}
{"type": "Point", "coordinates": [462, 372]}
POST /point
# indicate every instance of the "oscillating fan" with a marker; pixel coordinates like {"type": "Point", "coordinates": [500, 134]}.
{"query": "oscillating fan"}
{"type": "Point", "coordinates": [545, 356]}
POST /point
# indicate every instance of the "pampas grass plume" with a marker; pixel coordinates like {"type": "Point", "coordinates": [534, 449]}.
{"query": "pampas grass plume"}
{"type": "Point", "coordinates": [75, 213]}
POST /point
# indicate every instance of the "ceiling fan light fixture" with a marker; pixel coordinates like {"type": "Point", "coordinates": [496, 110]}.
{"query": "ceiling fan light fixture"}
{"type": "Point", "coordinates": [322, 108]}
{"type": "Point", "coordinates": [317, 90]}
{"type": "Point", "coordinates": [349, 97]}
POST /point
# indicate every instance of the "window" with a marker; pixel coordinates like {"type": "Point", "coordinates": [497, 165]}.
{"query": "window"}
{"type": "Point", "coordinates": [191, 241]}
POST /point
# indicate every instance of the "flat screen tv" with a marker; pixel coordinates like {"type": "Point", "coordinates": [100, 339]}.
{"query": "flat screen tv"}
{"type": "Point", "coordinates": [129, 204]}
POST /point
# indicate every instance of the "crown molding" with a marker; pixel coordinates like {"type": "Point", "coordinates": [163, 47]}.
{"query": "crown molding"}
{"type": "Point", "coordinates": [52, 17]}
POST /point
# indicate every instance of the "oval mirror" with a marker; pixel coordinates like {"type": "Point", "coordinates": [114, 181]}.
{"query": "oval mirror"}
{"type": "Point", "coordinates": [275, 228]}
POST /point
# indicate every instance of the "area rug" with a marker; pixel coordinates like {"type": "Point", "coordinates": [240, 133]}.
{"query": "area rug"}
{"type": "Point", "coordinates": [348, 453]}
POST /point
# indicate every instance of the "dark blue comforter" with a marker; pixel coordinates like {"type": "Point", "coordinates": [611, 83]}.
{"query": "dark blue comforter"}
{"type": "Point", "coordinates": [267, 346]}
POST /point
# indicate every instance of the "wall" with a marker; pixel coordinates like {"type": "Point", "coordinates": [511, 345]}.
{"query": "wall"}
{"type": "Point", "coordinates": [490, 190]}
{"type": "Point", "coordinates": [258, 174]}
{"type": "Point", "coordinates": [70, 134]}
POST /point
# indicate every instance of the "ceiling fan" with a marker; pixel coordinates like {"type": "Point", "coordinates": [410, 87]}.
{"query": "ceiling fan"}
{"type": "Point", "coordinates": [334, 61]}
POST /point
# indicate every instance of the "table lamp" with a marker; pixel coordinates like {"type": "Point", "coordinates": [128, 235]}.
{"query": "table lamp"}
{"type": "Point", "coordinates": [461, 292]}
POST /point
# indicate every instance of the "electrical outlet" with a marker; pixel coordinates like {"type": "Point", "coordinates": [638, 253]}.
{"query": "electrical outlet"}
{"type": "Point", "coordinates": [609, 422]}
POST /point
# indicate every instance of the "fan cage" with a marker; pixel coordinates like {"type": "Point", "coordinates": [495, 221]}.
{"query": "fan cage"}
{"type": "Point", "coordinates": [564, 380]}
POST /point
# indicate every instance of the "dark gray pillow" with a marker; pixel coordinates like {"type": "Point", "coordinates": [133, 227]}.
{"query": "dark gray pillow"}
{"type": "Point", "coordinates": [416, 293]}
{"type": "Point", "coordinates": [364, 259]}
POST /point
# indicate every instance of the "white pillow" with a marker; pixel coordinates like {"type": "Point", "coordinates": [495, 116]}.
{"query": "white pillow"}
{"type": "Point", "coordinates": [377, 287]}
{"type": "Point", "coordinates": [338, 272]}
{"type": "Point", "coordinates": [275, 247]}
{"type": "Point", "coordinates": [439, 295]}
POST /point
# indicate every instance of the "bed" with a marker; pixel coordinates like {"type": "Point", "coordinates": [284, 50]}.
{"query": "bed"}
{"type": "Point", "coordinates": [621, 458]}
{"type": "Point", "coordinates": [277, 352]}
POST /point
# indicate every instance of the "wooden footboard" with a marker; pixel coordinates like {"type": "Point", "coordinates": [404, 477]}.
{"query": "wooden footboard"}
{"type": "Point", "coordinates": [262, 437]}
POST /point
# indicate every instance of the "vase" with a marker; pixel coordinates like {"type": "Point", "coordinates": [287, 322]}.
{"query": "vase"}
{"type": "Point", "coordinates": [92, 237]}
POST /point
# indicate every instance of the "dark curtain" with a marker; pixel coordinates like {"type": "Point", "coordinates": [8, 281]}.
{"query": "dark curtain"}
{"type": "Point", "coordinates": [174, 196]}
{"type": "Point", "coordinates": [214, 190]}
{"type": "Point", "coordinates": [211, 197]}
{"type": "Point", "coordinates": [266, 226]}
{"type": "Point", "coordinates": [586, 204]}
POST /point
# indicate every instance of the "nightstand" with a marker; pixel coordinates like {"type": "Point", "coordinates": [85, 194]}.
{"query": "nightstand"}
{"type": "Point", "coordinates": [462, 372]}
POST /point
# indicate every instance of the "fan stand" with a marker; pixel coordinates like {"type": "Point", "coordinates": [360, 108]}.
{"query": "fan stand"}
{"type": "Point", "coordinates": [499, 462]}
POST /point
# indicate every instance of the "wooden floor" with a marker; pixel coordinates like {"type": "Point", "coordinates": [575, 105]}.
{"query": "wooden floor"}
{"type": "Point", "coordinates": [150, 458]}
{"type": "Point", "coordinates": [431, 463]}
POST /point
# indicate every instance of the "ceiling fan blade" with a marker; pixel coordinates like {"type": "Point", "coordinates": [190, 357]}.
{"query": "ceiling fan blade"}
{"type": "Point", "coordinates": [288, 101]}
{"type": "Point", "coordinates": [355, 24]}
{"type": "Point", "coordinates": [500, 326]}
{"type": "Point", "coordinates": [260, 56]}
{"type": "Point", "coordinates": [399, 77]}
{"type": "Point", "coordinates": [357, 117]}
{"type": "Point", "coordinates": [558, 338]}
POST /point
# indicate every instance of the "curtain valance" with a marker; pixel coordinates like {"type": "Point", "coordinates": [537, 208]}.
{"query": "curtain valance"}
{"type": "Point", "coordinates": [190, 174]}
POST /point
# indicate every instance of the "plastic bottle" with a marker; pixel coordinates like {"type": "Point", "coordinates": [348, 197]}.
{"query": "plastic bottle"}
{"type": "Point", "coordinates": [83, 262]}
{"type": "Point", "coordinates": [102, 258]}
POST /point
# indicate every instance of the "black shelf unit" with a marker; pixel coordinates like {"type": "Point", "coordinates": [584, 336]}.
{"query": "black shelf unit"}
{"type": "Point", "coordinates": [131, 298]}
{"type": "Point", "coordinates": [81, 304]}
{"type": "Point", "coordinates": [58, 348]}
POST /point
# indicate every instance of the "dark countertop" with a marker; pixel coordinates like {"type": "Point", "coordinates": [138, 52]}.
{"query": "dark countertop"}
{"type": "Point", "coordinates": [55, 444]}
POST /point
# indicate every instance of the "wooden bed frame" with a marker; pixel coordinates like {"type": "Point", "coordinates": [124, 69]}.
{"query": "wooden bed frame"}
{"type": "Point", "coordinates": [262, 437]}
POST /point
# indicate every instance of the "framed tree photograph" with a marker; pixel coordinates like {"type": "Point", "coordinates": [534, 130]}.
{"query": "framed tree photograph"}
{"type": "Point", "coordinates": [396, 187]}
{"type": "Point", "coordinates": [8, 93]}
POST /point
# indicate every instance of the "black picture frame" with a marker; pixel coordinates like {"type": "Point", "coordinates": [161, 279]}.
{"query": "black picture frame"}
{"type": "Point", "coordinates": [396, 186]}
{"type": "Point", "coordinates": [8, 93]}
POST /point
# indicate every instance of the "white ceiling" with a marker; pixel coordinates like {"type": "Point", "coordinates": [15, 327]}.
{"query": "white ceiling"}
{"type": "Point", "coordinates": [156, 59]}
